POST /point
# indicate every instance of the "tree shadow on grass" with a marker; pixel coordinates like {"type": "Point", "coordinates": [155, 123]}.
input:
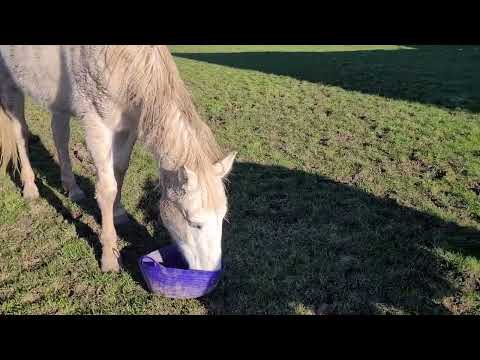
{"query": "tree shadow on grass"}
{"type": "Point", "coordinates": [444, 76]}
{"type": "Point", "coordinates": [297, 239]}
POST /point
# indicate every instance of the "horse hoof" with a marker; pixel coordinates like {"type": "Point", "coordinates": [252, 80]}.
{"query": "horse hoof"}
{"type": "Point", "coordinates": [31, 192]}
{"type": "Point", "coordinates": [77, 196]}
{"type": "Point", "coordinates": [110, 265]}
{"type": "Point", "coordinates": [121, 219]}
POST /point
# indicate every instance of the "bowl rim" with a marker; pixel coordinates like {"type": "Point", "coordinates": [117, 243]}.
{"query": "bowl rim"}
{"type": "Point", "coordinates": [190, 271]}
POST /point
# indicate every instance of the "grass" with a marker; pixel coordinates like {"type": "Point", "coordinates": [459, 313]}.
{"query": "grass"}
{"type": "Point", "coordinates": [355, 191]}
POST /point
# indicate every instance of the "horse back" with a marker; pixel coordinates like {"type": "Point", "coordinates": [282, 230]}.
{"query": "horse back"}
{"type": "Point", "coordinates": [59, 77]}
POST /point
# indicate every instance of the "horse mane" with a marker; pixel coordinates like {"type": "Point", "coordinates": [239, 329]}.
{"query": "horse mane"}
{"type": "Point", "coordinates": [147, 78]}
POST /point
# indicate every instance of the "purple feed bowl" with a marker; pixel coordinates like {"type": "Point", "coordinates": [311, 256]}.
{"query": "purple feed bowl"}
{"type": "Point", "coordinates": [166, 273]}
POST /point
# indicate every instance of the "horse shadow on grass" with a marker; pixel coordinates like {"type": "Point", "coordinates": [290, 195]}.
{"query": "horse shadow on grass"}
{"type": "Point", "coordinates": [294, 241]}
{"type": "Point", "coordinates": [443, 76]}
{"type": "Point", "coordinates": [137, 238]}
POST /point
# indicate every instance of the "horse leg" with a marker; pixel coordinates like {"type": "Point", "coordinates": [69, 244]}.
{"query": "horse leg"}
{"type": "Point", "coordinates": [122, 149]}
{"type": "Point", "coordinates": [99, 140]}
{"type": "Point", "coordinates": [61, 136]}
{"type": "Point", "coordinates": [14, 106]}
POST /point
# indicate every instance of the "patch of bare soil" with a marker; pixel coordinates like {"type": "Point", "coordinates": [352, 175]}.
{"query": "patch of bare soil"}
{"type": "Point", "coordinates": [82, 156]}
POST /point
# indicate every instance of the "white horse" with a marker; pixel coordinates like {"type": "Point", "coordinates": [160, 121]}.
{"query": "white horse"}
{"type": "Point", "coordinates": [120, 93]}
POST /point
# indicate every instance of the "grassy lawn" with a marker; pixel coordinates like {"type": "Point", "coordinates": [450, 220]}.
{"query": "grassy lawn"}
{"type": "Point", "coordinates": [356, 190]}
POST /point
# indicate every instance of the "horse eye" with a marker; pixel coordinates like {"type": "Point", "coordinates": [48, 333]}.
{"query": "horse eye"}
{"type": "Point", "coordinates": [197, 226]}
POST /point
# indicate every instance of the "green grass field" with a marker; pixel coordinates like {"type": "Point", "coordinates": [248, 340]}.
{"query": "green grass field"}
{"type": "Point", "coordinates": [356, 190]}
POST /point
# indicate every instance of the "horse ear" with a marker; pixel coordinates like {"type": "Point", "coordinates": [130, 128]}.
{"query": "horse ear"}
{"type": "Point", "coordinates": [188, 179]}
{"type": "Point", "coordinates": [223, 167]}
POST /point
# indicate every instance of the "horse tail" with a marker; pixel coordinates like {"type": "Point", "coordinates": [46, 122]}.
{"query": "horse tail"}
{"type": "Point", "coordinates": [8, 144]}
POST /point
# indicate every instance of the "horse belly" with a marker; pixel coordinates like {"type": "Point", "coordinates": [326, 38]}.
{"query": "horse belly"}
{"type": "Point", "coordinates": [40, 71]}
